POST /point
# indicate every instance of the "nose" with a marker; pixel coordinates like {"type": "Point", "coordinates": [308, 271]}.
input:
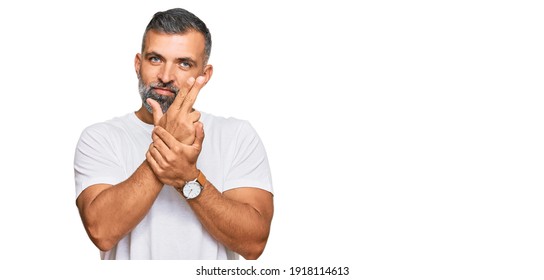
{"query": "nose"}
{"type": "Point", "coordinates": [166, 74]}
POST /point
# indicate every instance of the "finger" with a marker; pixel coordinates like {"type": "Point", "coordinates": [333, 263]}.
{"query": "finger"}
{"type": "Point", "coordinates": [189, 101]}
{"type": "Point", "coordinates": [152, 162]}
{"type": "Point", "coordinates": [159, 145]}
{"type": "Point", "coordinates": [157, 156]}
{"type": "Point", "coordinates": [166, 137]}
{"type": "Point", "coordinates": [194, 116]}
{"type": "Point", "coordinates": [199, 136]}
{"type": "Point", "coordinates": [157, 110]}
{"type": "Point", "coordinates": [182, 93]}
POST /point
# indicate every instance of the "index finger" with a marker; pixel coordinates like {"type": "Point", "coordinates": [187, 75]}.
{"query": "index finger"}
{"type": "Point", "coordinates": [189, 101]}
{"type": "Point", "coordinates": [168, 141]}
{"type": "Point", "coordinates": [182, 93]}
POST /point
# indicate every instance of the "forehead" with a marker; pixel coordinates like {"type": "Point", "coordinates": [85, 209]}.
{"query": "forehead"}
{"type": "Point", "coordinates": [188, 44]}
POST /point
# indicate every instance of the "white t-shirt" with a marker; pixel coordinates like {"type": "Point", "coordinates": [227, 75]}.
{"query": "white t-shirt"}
{"type": "Point", "coordinates": [232, 156]}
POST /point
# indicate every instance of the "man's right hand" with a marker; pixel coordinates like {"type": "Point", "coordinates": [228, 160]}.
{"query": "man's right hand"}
{"type": "Point", "coordinates": [179, 119]}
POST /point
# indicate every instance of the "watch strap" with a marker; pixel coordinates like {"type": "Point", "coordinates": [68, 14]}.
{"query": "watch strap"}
{"type": "Point", "coordinates": [201, 179]}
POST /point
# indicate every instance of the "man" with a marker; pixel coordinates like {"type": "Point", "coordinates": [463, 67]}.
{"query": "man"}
{"type": "Point", "coordinates": [169, 182]}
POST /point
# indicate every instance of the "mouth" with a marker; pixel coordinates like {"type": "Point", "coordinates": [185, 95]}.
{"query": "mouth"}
{"type": "Point", "coordinates": [163, 91]}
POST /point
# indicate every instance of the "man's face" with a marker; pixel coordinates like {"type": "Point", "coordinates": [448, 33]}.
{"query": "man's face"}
{"type": "Point", "coordinates": [166, 63]}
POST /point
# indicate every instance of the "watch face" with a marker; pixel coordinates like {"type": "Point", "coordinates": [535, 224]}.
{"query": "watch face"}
{"type": "Point", "coordinates": [191, 190]}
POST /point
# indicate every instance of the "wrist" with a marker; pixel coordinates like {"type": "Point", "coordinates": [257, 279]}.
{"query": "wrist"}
{"type": "Point", "coordinates": [193, 175]}
{"type": "Point", "coordinates": [193, 188]}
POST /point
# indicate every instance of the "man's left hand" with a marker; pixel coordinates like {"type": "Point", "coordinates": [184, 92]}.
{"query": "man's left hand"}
{"type": "Point", "coordinates": [174, 162]}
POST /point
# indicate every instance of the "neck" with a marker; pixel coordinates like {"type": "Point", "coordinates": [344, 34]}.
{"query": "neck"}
{"type": "Point", "coordinates": [144, 115]}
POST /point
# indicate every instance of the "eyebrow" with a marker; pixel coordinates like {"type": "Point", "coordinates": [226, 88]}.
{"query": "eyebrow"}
{"type": "Point", "coordinates": [147, 55]}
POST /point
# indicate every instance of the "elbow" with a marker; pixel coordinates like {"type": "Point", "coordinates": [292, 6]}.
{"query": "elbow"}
{"type": "Point", "coordinates": [254, 251]}
{"type": "Point", "coordinates": [99, 230]}
{"type": "Point", "coordinates": [103, 244]}
{"type": "Point", "coordinates": [100, 239]}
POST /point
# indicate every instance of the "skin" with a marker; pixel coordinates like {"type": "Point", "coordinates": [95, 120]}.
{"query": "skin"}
{"type": "Point", "coordinates": [238, 218]}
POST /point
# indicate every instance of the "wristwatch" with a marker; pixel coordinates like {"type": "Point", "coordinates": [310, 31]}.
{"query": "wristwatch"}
{"type": "Point", "coordinates": [192, 189]}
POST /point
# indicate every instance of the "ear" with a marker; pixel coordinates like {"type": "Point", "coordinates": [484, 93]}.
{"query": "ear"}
{"type": "Point", "coordinates": [137, 63]}
{"type": "Point", "coordinates": [207, 73]}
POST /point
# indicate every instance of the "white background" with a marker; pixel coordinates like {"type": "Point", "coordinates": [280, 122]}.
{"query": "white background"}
{"type": "Point", "coordinates": [405, 137]}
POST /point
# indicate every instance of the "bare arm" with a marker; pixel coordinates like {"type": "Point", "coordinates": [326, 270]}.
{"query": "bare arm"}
{"type": "Point", "coordinates": [109, 212]}
{"type": "Point", "coordinates": [239, 218]}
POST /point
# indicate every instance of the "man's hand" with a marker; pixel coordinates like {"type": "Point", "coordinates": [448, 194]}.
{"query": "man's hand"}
{"type": "Point", "coordinates": [174, 162]}
{"type": "Point", "coordinates": [180, 118]}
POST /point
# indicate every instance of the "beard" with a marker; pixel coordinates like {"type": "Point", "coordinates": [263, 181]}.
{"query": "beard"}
{"type": "Point", "coordinates": [148, 91]}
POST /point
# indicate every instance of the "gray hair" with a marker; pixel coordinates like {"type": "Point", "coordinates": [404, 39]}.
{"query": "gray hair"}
{"type": "Point", "coordinates": [179, 21]}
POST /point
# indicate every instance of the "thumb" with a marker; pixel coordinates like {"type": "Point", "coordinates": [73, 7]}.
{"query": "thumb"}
{"type": "Point", "coordinates": [199, 135]}
{"type": "Point", "coordinates": [157, 110]}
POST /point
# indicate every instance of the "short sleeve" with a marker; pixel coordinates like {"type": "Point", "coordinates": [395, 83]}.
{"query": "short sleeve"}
{"type": "Point", "coordinates": [249, 166]}
{"type": "Point", "coordinates": [95, 160]}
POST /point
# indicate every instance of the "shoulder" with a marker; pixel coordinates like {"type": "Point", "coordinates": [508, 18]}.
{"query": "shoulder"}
{"type": "Point", "coordinates": [106, 129]}
{"type": "Point", "coordinates": [225, 126]}
{"type": "Point", "coordinates": [230, 133]}
{"type": "Point", "coordinates": [219, 121]}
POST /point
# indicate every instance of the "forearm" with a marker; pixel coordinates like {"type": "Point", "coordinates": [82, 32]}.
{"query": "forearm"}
{"type": "Point", "coordinates": [239, 226]}
{"type": "Point", "coordinates": [239, 218]}
{"type": "Point", "coordinates": [110, 212]}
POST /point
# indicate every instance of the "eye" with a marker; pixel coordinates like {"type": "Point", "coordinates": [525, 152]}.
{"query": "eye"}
{"type": "Point", "coordinates": [154, 59]}
{"type": "Point", "coordinates": [185, 64]}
